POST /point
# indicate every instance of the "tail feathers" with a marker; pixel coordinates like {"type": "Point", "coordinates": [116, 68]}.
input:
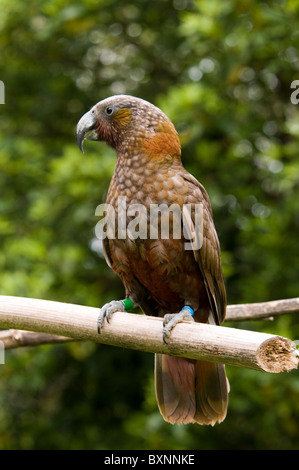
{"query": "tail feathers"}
{"type": "Point", "coordinates": [174, 379]}
{"type": "Point", "coordinates": [190, 391]}
{"type": "Point", "coordinates": [211, 392]}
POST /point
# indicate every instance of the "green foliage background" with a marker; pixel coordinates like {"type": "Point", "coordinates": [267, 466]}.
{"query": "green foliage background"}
{"type": "Point", "coordinates": [222, 72]}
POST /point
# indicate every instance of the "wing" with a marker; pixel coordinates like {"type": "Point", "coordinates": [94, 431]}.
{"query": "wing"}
{"type": "Point", "coordinates": [208, 255]}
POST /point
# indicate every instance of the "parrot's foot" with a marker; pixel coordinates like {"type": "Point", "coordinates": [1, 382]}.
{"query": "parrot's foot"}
{"type": "Point", "coordinates": [108, 309]}
{"type": "Point", "coordinates": [172, 319]}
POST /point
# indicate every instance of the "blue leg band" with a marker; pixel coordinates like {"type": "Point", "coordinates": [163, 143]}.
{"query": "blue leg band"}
{"type": "Point", "coordinates": [189, 308]}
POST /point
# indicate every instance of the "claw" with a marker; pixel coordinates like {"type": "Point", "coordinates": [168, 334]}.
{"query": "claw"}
{"type": "Point", "coordinates": [107, 310]}
{"type": "Point", "coordinates": [172, 319]}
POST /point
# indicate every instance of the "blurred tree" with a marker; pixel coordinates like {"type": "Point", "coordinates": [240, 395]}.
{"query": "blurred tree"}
{"type": "Point", "coordinates": [222, 72]}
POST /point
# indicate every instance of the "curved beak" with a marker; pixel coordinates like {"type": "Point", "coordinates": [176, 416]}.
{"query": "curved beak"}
{"type": "Point", "coordinates": [86, 124]}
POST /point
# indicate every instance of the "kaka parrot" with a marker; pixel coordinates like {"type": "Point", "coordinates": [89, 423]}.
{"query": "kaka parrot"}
{"type": "Point", "coordinates": [159, 274]}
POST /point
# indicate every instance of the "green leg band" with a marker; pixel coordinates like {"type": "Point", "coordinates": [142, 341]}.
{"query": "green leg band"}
{"type": "Point", "coordinates": [129, 304]}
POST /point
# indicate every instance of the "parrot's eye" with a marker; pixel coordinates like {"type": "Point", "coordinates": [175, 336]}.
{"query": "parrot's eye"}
{"type": "Point", "coordinates": [109, 110]}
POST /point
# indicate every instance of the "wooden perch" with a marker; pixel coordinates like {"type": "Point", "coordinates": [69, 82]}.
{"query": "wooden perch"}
{"type": "Point", "coordinates": [262, 310]}
{"type": "Point", "coordinates": [15, 338]}
{"type": "Point", "coordinates": [231, 346]}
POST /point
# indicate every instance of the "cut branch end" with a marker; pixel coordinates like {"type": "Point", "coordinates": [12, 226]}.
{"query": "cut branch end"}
{"type": "Point", "coordinates": [278, 354]}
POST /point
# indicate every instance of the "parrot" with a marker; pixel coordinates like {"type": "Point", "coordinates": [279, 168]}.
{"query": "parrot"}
{"type": "Point", "coordinates": [159, 274]}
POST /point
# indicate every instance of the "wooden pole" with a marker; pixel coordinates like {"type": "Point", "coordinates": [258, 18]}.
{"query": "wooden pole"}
{"type": "Point", "coordinates": [15, 338]}
{"type": "Point", "coordinates": [262, 310]}
{"type": "Point", "coordinates": [231, 346]}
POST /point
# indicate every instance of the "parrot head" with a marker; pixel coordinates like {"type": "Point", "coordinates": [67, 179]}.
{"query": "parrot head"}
{"type": "Point", "coordinates": [128, 123]}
